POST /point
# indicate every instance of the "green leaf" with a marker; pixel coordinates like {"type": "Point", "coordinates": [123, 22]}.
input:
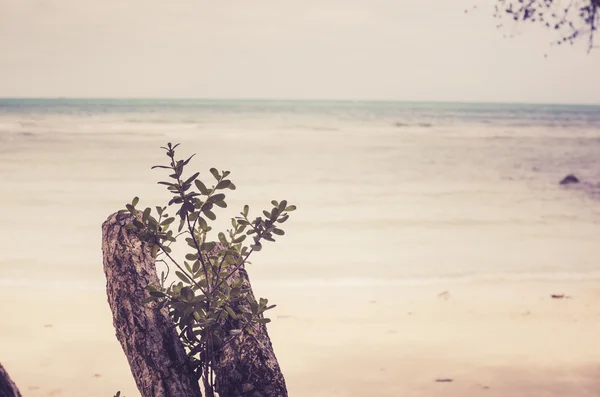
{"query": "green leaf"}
{"type": "Point", "coordinates": [278, 232]}
{"type": "Point", "coordinates": [210, 215]}
{"type": "Point", "coordinates": [283, 218]}
{"type": "Point", "coordinates": [210, 246]}
{"type": "Point", "coordinates": [189, 158]}
{"type": "Point", "coordinates": [196, 267]}
{"type": "Point", "coordinates": [225, 183]}
{"type": "Point", "coordinates": [222, 238]}
{"type": "Point", "coordinates": [246, 210]}
{"type": "Point", "coordinates": [275, 203]}
{"type": "Point", "coordinates": [263, 320]}
{"type": "Point", "coordinates": [135, 201]}
{"type": "Point", "coordinates": [182, 276]}
{"type": "Point", "coordinates": [282, 205]}
{"type": "Point", "coordinates": [274, 214]}
{"type": "Point", "coordinates": [231, 186]}
{"type": "Point", "coordinates": [201, 187]}
{"type": "Point", "coordinates": [221, 204]}
{"type": "Point", "coordinates": [235, 332]}
{"type": "Point", "coordinates": [231, 312]}
{"type": "Point", "coordinates": [191, 178]}
{"type": "Point", "coordinates": [290, 208]}
{"type": "Point", "coordinates": [216, 198]}
{"type": "Point", "coordinates": [131, 209]}
{"type": "Point", "coordinates": [215, 173]}
{"type": "Point", "coordinates": [167, 221]}
{"type": "Point", "coordinates": [146, 214]}
{"type": "Point", "coordinates": [187, 293]}
{"type": "Point", "coordinates": [239, 239]}
{"type": "Point", "coordinates": [191, 257]}
{"type": "Point", "coordinates": [202, 223]}
{"type": "Point", "coordinates": [256, 247]}
{"type": "Point", "coordinates": [138, 224]}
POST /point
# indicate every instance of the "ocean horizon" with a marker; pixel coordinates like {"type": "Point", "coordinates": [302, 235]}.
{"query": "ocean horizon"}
{"type": "Point", "coordinates": [207, 100]}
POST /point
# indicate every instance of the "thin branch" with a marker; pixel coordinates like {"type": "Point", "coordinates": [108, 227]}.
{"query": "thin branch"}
{"type": "Point", "coordinates": [180, 268]}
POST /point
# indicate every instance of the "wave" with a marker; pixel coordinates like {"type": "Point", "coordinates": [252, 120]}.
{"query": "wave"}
{"type": "Point", "coordinates": [163, 121]}
{"type": "Point", "coordinates": [422, 124]}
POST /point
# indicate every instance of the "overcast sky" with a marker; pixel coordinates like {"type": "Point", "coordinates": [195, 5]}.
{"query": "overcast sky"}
{"type": "Point", "coordinates": [294, 49]}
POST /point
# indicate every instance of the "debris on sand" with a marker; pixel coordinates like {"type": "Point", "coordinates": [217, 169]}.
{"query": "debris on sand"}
{"type": "Point", "coordinates": [560, 296]}
{"type": "Point", "coordinates": [444, 295]}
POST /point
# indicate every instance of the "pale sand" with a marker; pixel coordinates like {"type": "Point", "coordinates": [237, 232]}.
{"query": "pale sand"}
{"type": "Point", "coordinates": [503, 338]}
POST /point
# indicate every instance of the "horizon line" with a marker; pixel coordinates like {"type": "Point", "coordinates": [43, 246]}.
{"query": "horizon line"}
{"type": "Point", "coordinates": [258, 99]}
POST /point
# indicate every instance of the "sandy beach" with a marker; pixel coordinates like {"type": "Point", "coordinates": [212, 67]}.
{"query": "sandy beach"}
{"type": "Point", "coordinates": [416, 254]}
{"type": "Point", "coordinates": [501, 338]}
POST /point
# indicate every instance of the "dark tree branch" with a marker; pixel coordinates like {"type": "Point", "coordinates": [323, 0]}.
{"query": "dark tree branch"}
{"type": "Point", "coordinates": [572, 20]}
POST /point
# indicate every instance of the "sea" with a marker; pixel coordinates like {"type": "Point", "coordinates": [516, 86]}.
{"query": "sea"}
{"type": "Point", "coordinates": [388, 193]}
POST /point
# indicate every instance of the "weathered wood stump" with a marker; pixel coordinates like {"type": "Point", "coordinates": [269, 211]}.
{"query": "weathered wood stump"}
{"type": "Point", "coordinates": [147, 334]}
{"type": "Point", "coordinates": [247, 367]}
{"type": "Point", "coordinates": [7, 386]}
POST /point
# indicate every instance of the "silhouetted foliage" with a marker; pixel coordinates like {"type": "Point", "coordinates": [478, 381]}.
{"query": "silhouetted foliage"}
{"type": "Point", "coordinates": [571, 19]}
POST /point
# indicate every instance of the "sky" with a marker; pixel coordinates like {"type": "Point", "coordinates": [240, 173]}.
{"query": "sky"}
{"type": "Point", "coordinates": [286, 49]}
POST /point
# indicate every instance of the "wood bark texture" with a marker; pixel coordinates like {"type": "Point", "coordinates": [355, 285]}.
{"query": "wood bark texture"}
{"type": "Point", "coordinates": [147, 334]}
{"type": "Point", "coordinates": [7, 386]}
{"type": "Point", "coordinates": [247, 367]}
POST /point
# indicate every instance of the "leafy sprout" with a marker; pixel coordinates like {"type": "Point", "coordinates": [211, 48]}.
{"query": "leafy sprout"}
{"type": "Point", "coordinates": [208, 291]}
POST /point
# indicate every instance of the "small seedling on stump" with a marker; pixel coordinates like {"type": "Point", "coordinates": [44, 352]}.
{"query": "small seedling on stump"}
{"type": "Point", "coordinates": [207, 292]}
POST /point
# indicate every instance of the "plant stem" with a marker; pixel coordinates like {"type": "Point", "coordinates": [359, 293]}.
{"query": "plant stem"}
{"type": "Point", "coordinates": [180, 268]}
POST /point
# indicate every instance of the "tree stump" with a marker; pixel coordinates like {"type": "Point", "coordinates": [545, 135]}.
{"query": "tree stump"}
{"type": "Point", "coordinates": [7, 386]}
{"type": "Point", "coordinates": [147, 334]}
{"type": "Point", "coordinates": [247, 367]}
